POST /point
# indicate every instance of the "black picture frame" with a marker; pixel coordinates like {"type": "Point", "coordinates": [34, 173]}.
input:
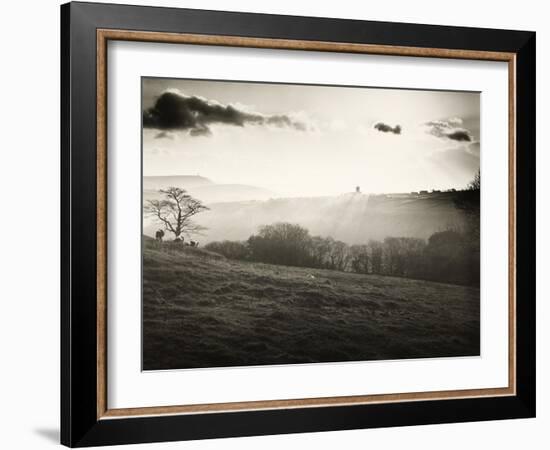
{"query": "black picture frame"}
{"type": "Point", "coordinates": [80, 425]}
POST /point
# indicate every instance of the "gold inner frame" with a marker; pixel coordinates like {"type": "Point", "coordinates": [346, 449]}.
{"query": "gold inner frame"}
{"type": "Point", "coordinates": [103, 36]}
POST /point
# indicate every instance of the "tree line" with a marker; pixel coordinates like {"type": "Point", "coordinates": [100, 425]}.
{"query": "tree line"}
{"type": "Point", "coordinates": [446, 256]}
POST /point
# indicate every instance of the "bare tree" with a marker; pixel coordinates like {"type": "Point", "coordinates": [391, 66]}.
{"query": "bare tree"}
{"type": "Point", "coordinates": [339, 256]}
{"type": "Point", "coordinates": [359, 258]}
{"type": "Point", "coordinates": [320, 249]}
{"type": "Point", "coordinates": [475, 184]}
{"type": "Point", "coordinates": [376, 256]}
{"type": "Point", "coordinates": [175, 211]}
{"type": "Point", "coordinates": [468, 201]}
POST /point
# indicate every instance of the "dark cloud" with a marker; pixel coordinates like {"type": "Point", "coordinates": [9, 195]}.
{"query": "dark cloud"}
{"type": "Point", "coordinates": [460, 135]}
{"type": "Point", "coordinates": [449, 129]}
{"type": "Point", "coordinates": [164, 135]}
{"type": "Point", "coordinates": [385, 128]}
{"type": "Point", "coordinates": [175, 111]}
{"type": "Point", "coordinates": [281, 121]}
{"type": "Point", "coordinates": [200, 131]}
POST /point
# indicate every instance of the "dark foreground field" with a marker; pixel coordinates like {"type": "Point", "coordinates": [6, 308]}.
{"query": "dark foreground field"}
{"type": "Point", "coordinates": [202, 310]}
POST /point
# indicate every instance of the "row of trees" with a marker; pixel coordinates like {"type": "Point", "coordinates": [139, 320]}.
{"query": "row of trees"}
{"type": "Point", "coordinates": [447, 256]}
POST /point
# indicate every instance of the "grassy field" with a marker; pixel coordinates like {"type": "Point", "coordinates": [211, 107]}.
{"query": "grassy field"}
{"type": "Point", "coordinates": [202, 310]}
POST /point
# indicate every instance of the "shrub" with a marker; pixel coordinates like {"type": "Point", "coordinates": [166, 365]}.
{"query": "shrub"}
{"type": "Point", "coordinates": [229, 249]}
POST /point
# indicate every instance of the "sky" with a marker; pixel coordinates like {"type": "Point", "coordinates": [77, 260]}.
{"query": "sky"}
{"type": "Point", "coordinates": [298, 140]}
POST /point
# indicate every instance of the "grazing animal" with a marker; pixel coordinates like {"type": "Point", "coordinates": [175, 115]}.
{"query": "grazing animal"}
{"type": "Point", "coordinates": [159, 235]}
{"type": "Point", "coordinates": [194, 244]}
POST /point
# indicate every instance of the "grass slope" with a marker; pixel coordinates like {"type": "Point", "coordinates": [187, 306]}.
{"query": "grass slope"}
{"type": "Point", "coordinates": [202, 310]}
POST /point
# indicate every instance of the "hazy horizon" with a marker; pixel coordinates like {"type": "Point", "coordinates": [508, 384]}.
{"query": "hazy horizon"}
{"type": "Point", "coordinates": [352, 189]}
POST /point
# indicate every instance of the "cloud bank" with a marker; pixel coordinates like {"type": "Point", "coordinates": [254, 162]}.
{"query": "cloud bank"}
{"type": "Point", "coordinates": [449, 129]}
{"type": "Point", "coordinates": [176, 111]}
{"type": "Point", "coordinates": [385, 128]}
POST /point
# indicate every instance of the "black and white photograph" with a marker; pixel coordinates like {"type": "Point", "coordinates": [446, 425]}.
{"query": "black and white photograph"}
{"type": "Point", "coordinates": [299, 224]}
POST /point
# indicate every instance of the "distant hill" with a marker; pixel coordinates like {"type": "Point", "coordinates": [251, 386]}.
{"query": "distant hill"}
{"type": "Point", "coordinates": [204, 189]}
{"type": "Point", "coordinates": [221, 193]}
{"type": "Point", "coordinates": [186, 181]}
{"type": "Point", "coordinates": [352, 218]}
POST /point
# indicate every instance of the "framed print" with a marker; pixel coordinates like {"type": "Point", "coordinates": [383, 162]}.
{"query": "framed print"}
{"type": "Point", "coordinates": [276, 224]}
